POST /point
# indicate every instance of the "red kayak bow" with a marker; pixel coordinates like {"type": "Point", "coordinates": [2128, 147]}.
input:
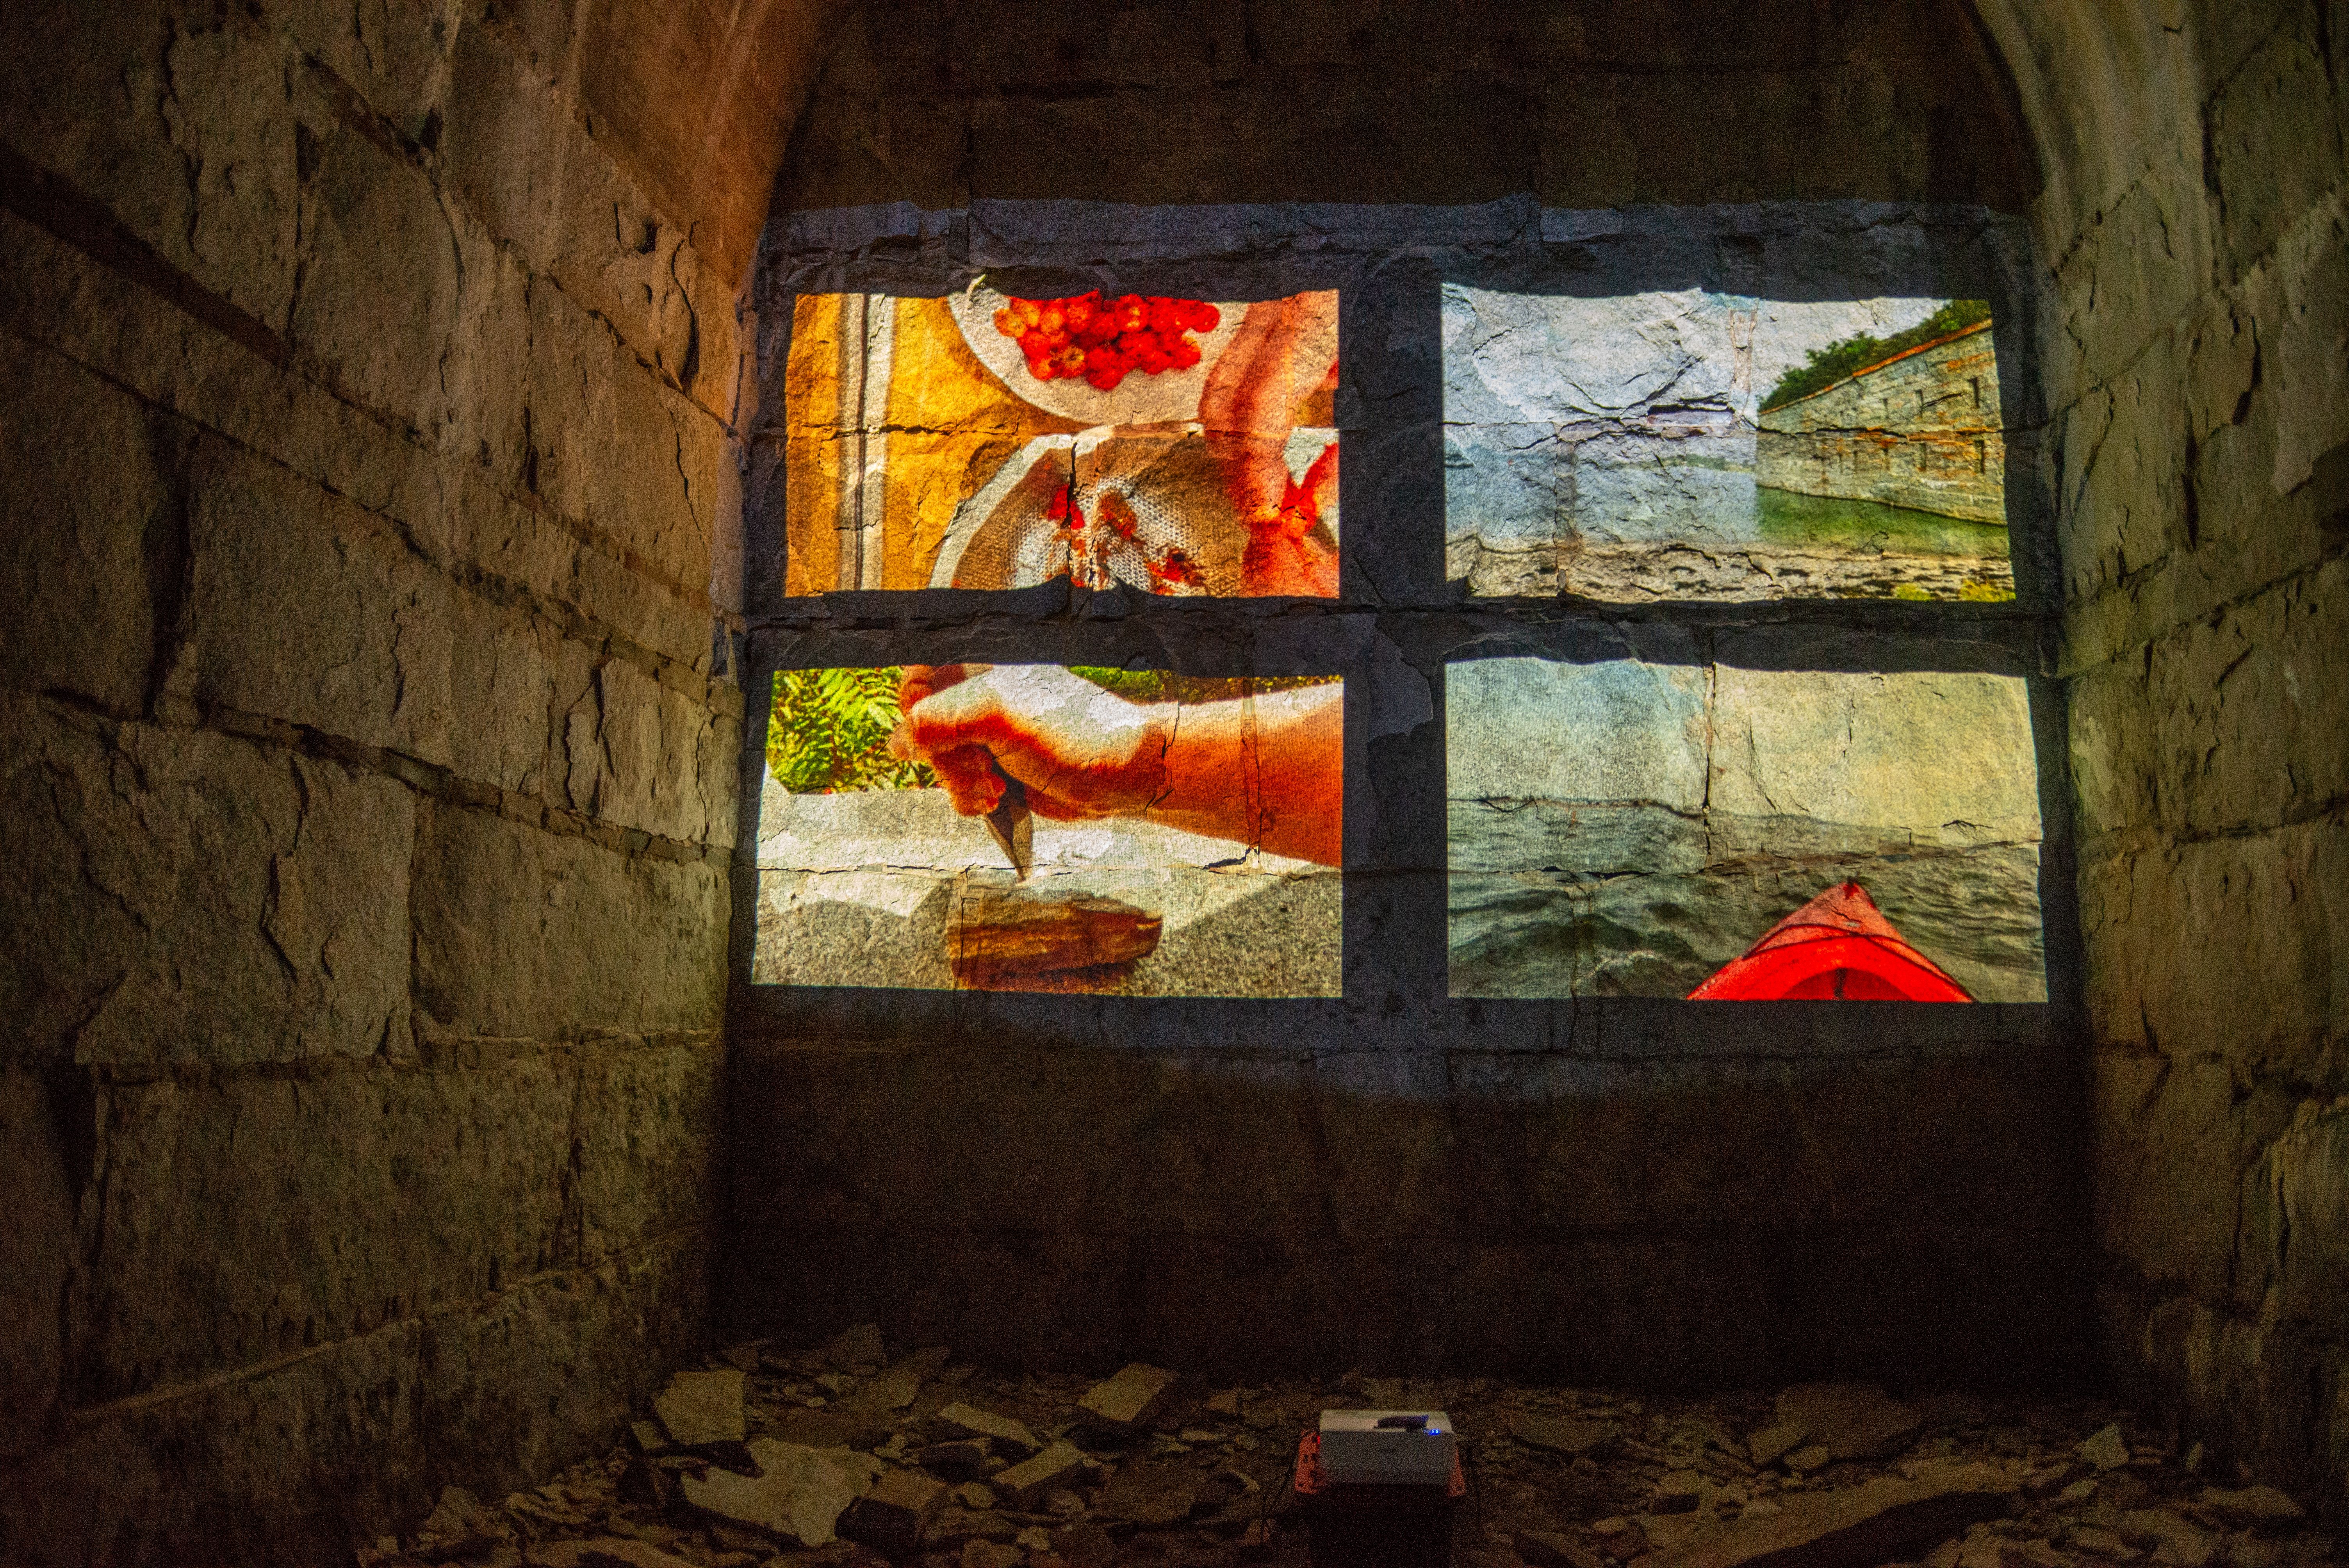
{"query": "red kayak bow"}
{"type": "Point", "coordinates": [1837, 948]}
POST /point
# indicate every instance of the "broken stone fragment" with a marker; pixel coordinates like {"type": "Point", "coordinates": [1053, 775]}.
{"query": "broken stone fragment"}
{"type": "Point", "coordinates": [1620, 1539]}
{"type": "Point", "coordinates": [976, 1496]}
{"type": "Point", "coordinates": [799, 1498]}
{"type": "Point", "coordinates": [1808, 1458]}
{"type": "Point", "coordinates": [855, 1347]}
{"type": "Point", "coordinates": [1151, 1496]}
{"type": "Point", "coordinates": [2104, 1544]}
{"type": "Point", "coordinates": [890, 1518]}
{"type": "Point", "coordinates": [1854, 1420]}
{"type": "Point", "coordinates": [961, 1421]}
{"type": "Point", "coordinates": [2260, 1508]}
{"type": "Point", "coordinates": [460, 1525]}
{"type": "Point", "coordinates": [1223, 1402]}
{"type": "Point", "coordinates": [605, 1552]}
{"type": "Point", "coordinates": [646, 1437]}
{"type": "Point", "coordinates": [895, 1389]}
{"type": "Point", "coordinates": [952, 1526]}
{"type": "Point", "coordinates": [2105, 1450]}
{"type": "Point", "coordinates": [1125, 1403]}
{"type": "Point", "coordinates": [1678, 1492]}
{"type": "Point", "coordinates": [1024, 1484]}
{"type": "Point", "coordinates": [2171, 1540]}
{"type": "Point", "coordinates": [699, 1408]}
{"type": "Point", "coordinates": [831, 1428]}
{"type": "Point", "coordinates": [980, 1553]}
{"type": "Point", "coordinates": [1568, 1436]}
{"type": "Point", "coordinates": [1771, 1444]}
{"type": "Point", "coordinates": [1880, 1521]}
{"type": "Point", "coordinates": [1084, 1546]}
{"type": "Point", "coordinates": [646, 1485]}
{"type": "Point", "coordinates": [1547, 1549]}
{"type": "Point", "coordinates": [964, 1459]}
{"type": "Point", "coordinates": [742, 1357]}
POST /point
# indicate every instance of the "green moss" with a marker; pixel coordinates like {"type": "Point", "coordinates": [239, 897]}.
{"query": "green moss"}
{"type": "Point", "coordinates": [1848, 355]}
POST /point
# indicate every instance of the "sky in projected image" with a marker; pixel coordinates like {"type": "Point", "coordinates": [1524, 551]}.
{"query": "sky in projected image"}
{"type": "Point", "coordinates": [1181, 447]}
{"type": "Point", "coordinates": [1633, 829]}
{"type": "Point", "coordinates": [1696, 444]}
{"type": "Point", "coordinates": [1043, 827]}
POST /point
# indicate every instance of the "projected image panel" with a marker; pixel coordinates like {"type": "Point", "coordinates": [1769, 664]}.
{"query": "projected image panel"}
{"type": "Point", "coordinates": [1042, 828]}
{"type": "Point", "coordinates": [1181, 446]}
{"type": "Point", "coordinates": [1662, 829]}
{"type": "Point", "coordinates": [1689, 445]}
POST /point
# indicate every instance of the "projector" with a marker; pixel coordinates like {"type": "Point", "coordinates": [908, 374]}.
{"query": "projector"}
{"type": "Point", "coordinates": [1387, 1448]}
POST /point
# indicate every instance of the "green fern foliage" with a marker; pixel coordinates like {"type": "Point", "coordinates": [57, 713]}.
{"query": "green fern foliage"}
{"type": "Point", "coordinates": [829, 730]}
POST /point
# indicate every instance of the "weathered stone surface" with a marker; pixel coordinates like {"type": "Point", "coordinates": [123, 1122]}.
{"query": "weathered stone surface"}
{"type": "Point", "coordinates": [637, 753]}
{"type": "Point", "coordinates": [1127, 1402]}
{"type": "Point", "coordinates": [1876, 1522]}
{"type": "Point", "coordinates": [964, 1460]}
{"type": "Point", "coordinates": [1541, 730]}
{"type": "Point", "coordinates": [2261, 1508]}
{"type": "Point", "coordinates": [458, 1526]}
{"type": "Point", "coordinates": [36, 1251]}
{"type": "Point", "coordinates": [833, 1428]}
{"type": "Point", "coordinates": [92, 542]}
{"type": "Point", "coordinates": [857, 1348]}
{"type": "Point", "coordinates": [699, 1408]}
{"type": "Point", "coordinates": [892, 1515]}
{"type": "Point", "coordinates": [1944, 757]}
{"type": "Point", "coordinates": [1151, 1496]}
{"type": "Point", "coordinates": [363, 640]}
{"type": "Point", "coordinates": [962, 1420]}
{"type": "Point", "coordinates": [552, 1335]}
{"type": "Point", "coordinates": [1773, 1443]}
{"type": "Point", "coordinates": [1568, 1435]}
{"type": "Point", "coordinates": [798, 1499]}
{"type": "Point", "coordinates": [601, 1552]}
{"type": "Point", "coordinates": [185, 896]}
{"type": "Point", "coordinates": [645, 1129]}
{"type": "Point", "coordinates": [1855, 1420]}
{"type": "Point", "coordinates": [522, 932]}
{"type": "Point", "coordinates": [1028, 1482]}
{"type": "Point", "coordinates": [2105, 1450]}
{"type": "Point", "coordinates": [458, 1176]}
{"type": "Point", "coordinates": [895, 1389]}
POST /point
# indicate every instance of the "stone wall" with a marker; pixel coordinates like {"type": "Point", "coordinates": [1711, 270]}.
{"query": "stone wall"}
{"type": "Point", "coordinates": [1920, 431]}
{"type": "Point", "coordinates": [1614, 1189]}
{"type": "Point", "coordinates": [367, 773]}
{"type": "Point", "coordinates": [2196, 227]}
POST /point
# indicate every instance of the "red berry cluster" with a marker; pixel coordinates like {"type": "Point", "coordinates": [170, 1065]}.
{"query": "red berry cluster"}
{"type": "Point", "coordinates": [1101, 339]}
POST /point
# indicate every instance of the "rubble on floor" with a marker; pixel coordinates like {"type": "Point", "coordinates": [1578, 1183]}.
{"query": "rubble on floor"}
{"type": "Point", "coordinates": [853, 1455]}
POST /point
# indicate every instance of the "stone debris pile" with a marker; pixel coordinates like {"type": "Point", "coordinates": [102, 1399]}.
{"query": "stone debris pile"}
{"type": "Point", "coordinates": [848, 1456]}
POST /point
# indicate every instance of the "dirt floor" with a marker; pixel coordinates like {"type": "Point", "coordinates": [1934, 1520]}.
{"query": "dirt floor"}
{"type": "Point", "coordinates": [773, 1458]}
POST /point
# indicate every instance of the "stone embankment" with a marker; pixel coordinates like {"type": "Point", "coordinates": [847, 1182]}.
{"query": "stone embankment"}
{"type": "Point", "coordinates": [842, 1455]}
{"type": "Point", "coordinates": [1920, 430]}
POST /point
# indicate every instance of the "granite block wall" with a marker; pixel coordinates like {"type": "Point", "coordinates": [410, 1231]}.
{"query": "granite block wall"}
{"type": "Point", "coordinates": [368, 756]}
{"type": "Point", "coordinates": [2197, 243]}
{"type": "Point", "coordinates": [1404, 1176]}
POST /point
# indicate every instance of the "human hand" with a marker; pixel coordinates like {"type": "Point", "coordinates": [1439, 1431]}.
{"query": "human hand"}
{"type": "Point", "coordinates": [1081, 751]}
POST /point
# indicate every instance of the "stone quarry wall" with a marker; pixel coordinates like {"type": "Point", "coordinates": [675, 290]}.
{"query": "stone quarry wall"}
{"type": "Point", "coordinates": [367, 773]}
{"type": "Point", "coordinates": [2197, 228]}
{"type": "Point", "coordinates": [1920, 431]}
{"type": "Point", "coordinates": [1612, 1189]}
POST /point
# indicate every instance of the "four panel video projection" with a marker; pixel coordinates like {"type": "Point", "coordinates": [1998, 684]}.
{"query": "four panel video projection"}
{"type": "Point", "coordinates": [1695, 820]}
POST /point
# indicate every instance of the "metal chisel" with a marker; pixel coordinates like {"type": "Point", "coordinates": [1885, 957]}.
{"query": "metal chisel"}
{"type": "Point", "coordinates": [1014, 825]}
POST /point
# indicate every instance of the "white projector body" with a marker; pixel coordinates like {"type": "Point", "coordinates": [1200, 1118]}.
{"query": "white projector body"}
{"type": "Point", "coordinates": [1413, 1448]}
